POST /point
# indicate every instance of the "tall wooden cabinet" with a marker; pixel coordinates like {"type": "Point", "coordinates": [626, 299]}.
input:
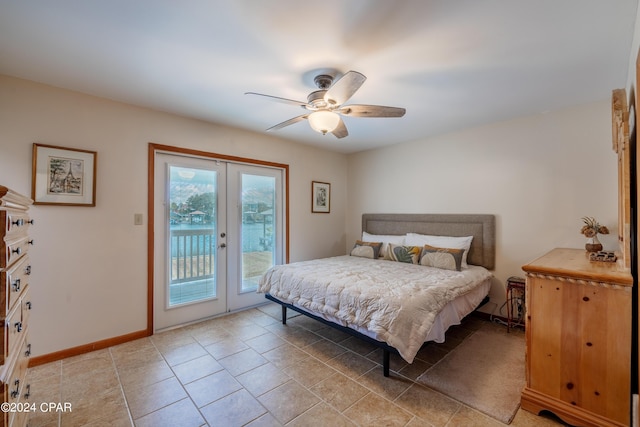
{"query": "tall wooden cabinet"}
{"type": "Point", "coordinates": [578, 338]}
{"type": "Point", "coordinates": [15, 305]}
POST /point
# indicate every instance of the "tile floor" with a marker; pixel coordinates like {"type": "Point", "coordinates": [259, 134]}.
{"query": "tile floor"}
{"type": "Point", "coordinates": [248, 369]}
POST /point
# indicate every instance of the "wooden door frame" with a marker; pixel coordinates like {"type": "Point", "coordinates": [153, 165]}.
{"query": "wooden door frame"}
{"type": "Point", "coordinates": [153, 149]}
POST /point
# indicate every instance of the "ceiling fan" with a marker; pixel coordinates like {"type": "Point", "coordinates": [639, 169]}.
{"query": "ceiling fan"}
{"type": "Point", "coordinates": [325, 105]}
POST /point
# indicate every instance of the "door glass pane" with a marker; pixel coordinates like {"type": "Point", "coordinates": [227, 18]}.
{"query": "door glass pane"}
{"type": "Point", "coordinates": [258, 228]}
{"type": "Point", "coordinates": [192, 231]}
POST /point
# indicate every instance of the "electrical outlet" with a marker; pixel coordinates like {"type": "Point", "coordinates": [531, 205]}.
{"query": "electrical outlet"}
{"type": "Point", "coordinates": [137, 219]}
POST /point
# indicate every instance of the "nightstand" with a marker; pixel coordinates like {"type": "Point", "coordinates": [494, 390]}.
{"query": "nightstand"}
{"type": "Point", "coordinates": [515, 302]}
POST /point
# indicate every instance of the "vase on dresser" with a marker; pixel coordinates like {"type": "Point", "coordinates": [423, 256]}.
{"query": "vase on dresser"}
{"type": "Point", "coordinates": [593, 244]}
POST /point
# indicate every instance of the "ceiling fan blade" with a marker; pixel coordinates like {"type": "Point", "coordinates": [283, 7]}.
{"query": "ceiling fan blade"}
{"type": "Point", "coordinates": [288, 122]}
{"type": "Point", "coordinates": [277, 98]}
{"type": "Point", "coordinates": [341, 130]}
{"type": "Point", "coordinates": [371, 111]}
{"type": "Point", "coordinates": [344, 88]}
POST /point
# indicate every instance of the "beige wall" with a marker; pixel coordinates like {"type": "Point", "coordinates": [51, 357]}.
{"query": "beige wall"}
{"type": "Point", "coordinates": [539, 175]}
{"type": "Point", "coordinates": [89, 263]}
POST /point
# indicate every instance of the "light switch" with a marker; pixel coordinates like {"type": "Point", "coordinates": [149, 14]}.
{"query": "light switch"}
{"type": "Point", "coordinates": [137, 219]}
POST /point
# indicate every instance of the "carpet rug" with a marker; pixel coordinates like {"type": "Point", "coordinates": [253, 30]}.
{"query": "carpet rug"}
{"type": "Point", "coordinates": [485, 372]}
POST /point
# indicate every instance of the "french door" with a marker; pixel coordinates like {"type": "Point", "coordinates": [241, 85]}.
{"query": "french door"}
{"type": "Point", "coordinates": [218, 226]}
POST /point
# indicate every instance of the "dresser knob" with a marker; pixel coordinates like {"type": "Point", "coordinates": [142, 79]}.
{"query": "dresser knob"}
{"type": "Point", "coordinates": [28, 304]}
{"type": "Point", "coordinates": [18, 222]}
{"type": "Point", "coordinates": [27, 270]}
{"type": "Point", "coordinates": [30, 242]}
{"type": "Point", "coordinates": [18, 326]}
{"type": "Point", "coordinates": [31, 221]}
{"type": "Point", "coordinates": [17, 250]}
{"type": "Point", "coordinates": [28, 351]}
{"type": "Point", "coordinates": [16, 285]}
{"type": "Point", "coordinates": [28, 393]}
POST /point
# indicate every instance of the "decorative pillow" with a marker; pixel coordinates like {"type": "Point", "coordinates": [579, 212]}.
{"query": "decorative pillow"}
{"type": "Point", "coordinates": [366, 249]}
{"type": "Point", "coordinates": [385, 239]}
{"type": "Point", "coordinates": [401, 253]}
{"type": "Point", "coordinates": [441, 242]}
{"type": "Point", "coordinates": [445, 258]}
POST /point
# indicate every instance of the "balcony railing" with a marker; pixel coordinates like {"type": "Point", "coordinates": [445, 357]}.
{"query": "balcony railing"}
{"type": "Point", "coordinates": [192, 254]}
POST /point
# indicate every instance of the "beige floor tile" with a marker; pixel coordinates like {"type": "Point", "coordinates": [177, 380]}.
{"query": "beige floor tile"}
{"type": "Point", "coordinates": [89, 362]}
{"type": "Point", "coordinates": [285, 356]}
{"type": "Point", "coordinates": [288, 401]}
{"type": "Point", "coordinates": [212, 387]}
{"type": "Point", "coordinates": [351, 364]}
{"type": "Point", "coordinates": [266, 420]}
{"type": "Point", "coordinates": [169, 339]}
{"type": "Point", "coordinates": [375, 410]}
{"type": "Point", "coordinates": [149, 398]}
{"type": "Point", "coordinates": [242, 362]}
{"type": "Point", "coordinates": [284, 374]}
{"type": "Point", "coordinates": [262, 379]}
{"type": "Point", "coordinates": [324, 350]}
{"type": "Point", "coordinates": [93, 410]}
{"type": "Point", "coordinates": [428, 404]}
{"type": "Point", "coordinates": [265, 342]}
{"type": "Point", "coordinates": [246, 332]}
{"type": "Point", "coordinates": [226, 347]}
{"type": "Point", "coordinates": [196, 368]}
{"type": "Point", "coordinates": [236, 409]}
{"type": "Point", "coordinates": [177, 355]}
{"type": "Point", "coordinates": [211, 335]}
{"type": "Point", "coordinates": [321, 415]}
{"type": "Point", "coordinates": [301, 337]}
{"type": "Point", "coordinates": [121, 351]}
{"type": "Point", "coordinates": [388, 387]}
{"type": "Point", "coordinates": [182, 413]}
{"type": "Point", "coordinates": [339, 391]}
{"type": "Point", "coordinates": [310, 371]}
{"type": "Point", "coordinates": [135, 376]}
{"type": "Point", "coordinates": [90, 385]}
{"type": "Point", "coordinates": [467, 417]}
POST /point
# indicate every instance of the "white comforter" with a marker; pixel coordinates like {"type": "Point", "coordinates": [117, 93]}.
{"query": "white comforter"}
{"type": "Point", "coordinates": [397, 302]}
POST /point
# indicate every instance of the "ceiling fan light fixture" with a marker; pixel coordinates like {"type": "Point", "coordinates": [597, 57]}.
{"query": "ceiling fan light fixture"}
{"type": "Point", "coordinates": [324, 121]}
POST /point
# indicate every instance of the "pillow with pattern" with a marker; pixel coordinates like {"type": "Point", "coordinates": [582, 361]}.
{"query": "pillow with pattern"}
{"type": "Point", "coordinates": [366, 249]}
{"type": "Point", "coordinates": [445, 258]}
{"type": "Point", "coordinates": [401, 253]}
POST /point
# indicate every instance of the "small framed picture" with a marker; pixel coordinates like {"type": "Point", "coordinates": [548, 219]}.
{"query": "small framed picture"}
{"type": "Point", "coordinates": [63, 176]}
{"type": "Point", "coordinates": [320, 197]}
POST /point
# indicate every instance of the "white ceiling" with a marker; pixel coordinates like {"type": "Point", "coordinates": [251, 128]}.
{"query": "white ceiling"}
{"type": "Point", "coordinates": [451, 64]}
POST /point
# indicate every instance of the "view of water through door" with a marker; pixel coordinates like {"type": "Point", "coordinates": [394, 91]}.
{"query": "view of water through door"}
{"type": "Point", "coordinates": [218, 227]}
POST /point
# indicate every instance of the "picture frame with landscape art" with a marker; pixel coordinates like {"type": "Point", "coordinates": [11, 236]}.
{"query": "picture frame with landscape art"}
{"type": "Point", "coordinates": [63, 176]}
{"type": "Point", "coordinates": [320, 197]}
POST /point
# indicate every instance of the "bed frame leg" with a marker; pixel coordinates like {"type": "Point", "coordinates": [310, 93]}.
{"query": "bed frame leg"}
{"type": "Point", "coordinates": [284, 315]}
{"type": "Point", "coordinates": [385, 362]}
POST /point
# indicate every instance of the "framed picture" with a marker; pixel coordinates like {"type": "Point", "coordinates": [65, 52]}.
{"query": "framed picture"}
{"type": "Point", "coordinates": [320, 197]}
{"type": "Point", "coordinates": [63, 176]}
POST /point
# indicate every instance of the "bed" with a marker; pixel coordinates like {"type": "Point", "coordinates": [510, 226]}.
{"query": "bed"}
{"type": "Point", "coordinates": [403, 299]}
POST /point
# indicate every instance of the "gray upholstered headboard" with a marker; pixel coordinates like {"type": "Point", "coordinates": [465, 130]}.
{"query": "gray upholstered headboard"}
{"type": "Point", "coordinates": [481, 226]}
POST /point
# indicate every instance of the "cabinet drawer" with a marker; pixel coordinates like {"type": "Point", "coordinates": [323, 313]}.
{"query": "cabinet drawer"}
{"type": "Point", "coordinates": [14, 387]}
{"type": "Point", "coordinates": [15, 222]}
{"type": "Point", "coordinates": [13, 332]}
{"type": "Point", "coordinates": [13, 249]}
{"type": "Point", "coordinates": [12, 284]}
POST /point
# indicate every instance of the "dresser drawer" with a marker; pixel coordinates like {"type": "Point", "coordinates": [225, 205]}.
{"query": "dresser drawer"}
{"type": "Point", "coordinates": [15, 222]}
{"type": "Point", "coordinates": [13, 249]}
{"type": "Point", "coordinates": [12, 284]}
{"type": "Point", "coordinates": [14, 387]}
{"type": "Point", "coordinates": [13, 332]}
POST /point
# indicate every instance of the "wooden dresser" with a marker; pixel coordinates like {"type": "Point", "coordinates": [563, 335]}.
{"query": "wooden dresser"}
{"type": "Point", "coordinates": [578, 338]}
{"type": "Point", "coordinates": [15, 305]}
